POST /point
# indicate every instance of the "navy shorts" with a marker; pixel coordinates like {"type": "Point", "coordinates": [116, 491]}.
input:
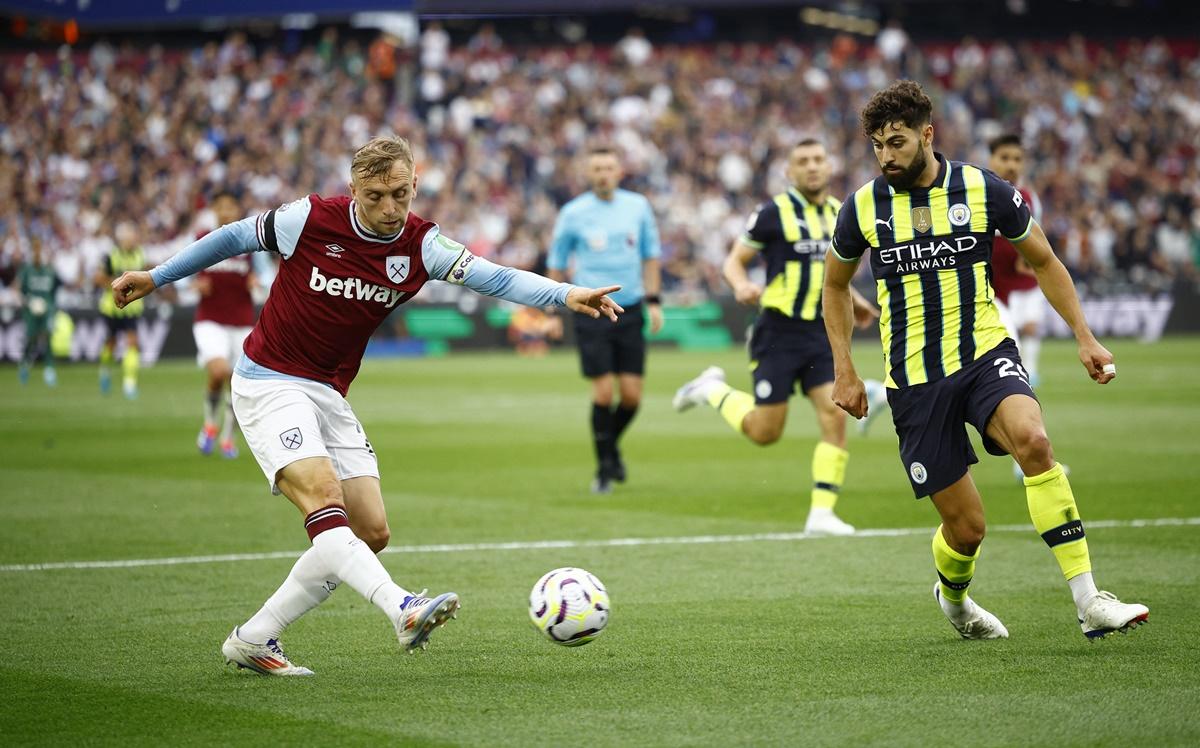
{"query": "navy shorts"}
{"type": "Point", "coordinates": [118, 325]}
{"type": "Point", "coordinates": [785, 352]}
{"type": "Point", "coordinates": [931, 419]}
{"type": "Point", "coordinates": [607, 347]}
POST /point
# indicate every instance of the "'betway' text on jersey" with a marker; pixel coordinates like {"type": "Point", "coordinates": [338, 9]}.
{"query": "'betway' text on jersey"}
{"type": "Point", "coordinates": [354, 288]}
{"type": "Point", "coordinates": [324, 305]}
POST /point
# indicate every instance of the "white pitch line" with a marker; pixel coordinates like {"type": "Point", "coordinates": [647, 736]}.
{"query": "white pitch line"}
{"type": "Point", "coordinates": [546, 544]}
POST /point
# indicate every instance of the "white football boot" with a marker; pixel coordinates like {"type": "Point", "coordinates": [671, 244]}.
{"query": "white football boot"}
{"type": "Point", "coordinates": [267, 659]}
{"type": "Point", "coordinates": [420, 615]}
{"type": "Point", "coordinates": [977, 623]}
{"type": "Point", "coordinates": [1106, 615]}
{"type": "Point", "coordinates": [877, 403]}
{"type": "Point", "coordinates": [823, 522]}
{"type": "Point", "coordinates": [695, 392]}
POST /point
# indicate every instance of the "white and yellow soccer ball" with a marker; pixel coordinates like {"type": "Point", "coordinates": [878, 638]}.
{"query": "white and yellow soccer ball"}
{"type": "Point", "coordinates": [570, 606]}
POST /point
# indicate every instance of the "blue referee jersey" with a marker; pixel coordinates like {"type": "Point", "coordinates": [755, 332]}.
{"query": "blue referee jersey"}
{"type": "Point", "coordinates": [608, 240]}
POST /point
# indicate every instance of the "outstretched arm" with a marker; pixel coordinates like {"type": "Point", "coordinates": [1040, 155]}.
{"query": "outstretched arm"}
{"type": "Point", "coordinates": [448, 260]}
{"type": "Point", "coordinates": [228, 241]}
{"type": "Point", "coordinates": [1056, 284]}
{"type": "Point", "coordinates": [837, 306]}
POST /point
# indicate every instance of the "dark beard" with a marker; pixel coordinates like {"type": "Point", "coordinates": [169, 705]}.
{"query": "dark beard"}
{"type": "Point", "coordinates": [907, 178]}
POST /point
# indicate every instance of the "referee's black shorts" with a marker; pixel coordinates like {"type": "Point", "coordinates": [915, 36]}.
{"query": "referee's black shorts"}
{"type": "Point", "coordinates": [607, 347]}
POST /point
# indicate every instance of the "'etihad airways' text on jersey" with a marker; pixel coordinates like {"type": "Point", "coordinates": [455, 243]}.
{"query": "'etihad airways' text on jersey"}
{"type": "Point", "coordinates": [930, 252]}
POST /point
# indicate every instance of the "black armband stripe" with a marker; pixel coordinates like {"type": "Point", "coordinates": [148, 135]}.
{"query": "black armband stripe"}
{"type": "Point", "coordinates": [269, 240]}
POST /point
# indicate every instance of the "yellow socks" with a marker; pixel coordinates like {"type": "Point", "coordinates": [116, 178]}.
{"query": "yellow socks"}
{"type": "Point", "coordinates": [129, 366]}
{"type": "Point", "coordinates": [1055, 516]}
{"type": "Point", "coordinates": [954, 569]}
{"type": "Point", "coordinates": [733, 405]}
{"type": "Point", "coordinates": [828, 472]}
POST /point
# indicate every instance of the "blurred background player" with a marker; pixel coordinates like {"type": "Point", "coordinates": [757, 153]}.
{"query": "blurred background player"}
{"type": "Point", "coordinates": [38, 284]}
{"type": "Point", "coordinates": [531, 330]}
{"type": "Point", "coordinates": [788, 343]}
{"type": "Point", "coordinates": [224, 317]}
{"type": "Point", "coordinates": [609, 234]}
{"type": "Point", "coordinates": [126, 256]}
{"type": "Point", "coordinates": [1015, 282]}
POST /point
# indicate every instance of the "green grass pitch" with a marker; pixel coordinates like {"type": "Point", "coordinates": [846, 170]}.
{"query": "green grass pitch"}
{"type": "Point", "coordinates": [771, 642]}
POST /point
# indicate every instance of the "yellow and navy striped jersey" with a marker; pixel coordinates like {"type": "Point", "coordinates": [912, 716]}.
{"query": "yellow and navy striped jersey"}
{"type": "Point", "coordinates": [116, 262]}
{"type": "Point", "coordinates": [931, 254]}
{"type": "Point", "coordinates": [793, 235]}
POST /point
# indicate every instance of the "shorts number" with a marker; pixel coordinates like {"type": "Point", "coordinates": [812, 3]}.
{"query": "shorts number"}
{"type": "Point", "coordinates": [1008, 368]}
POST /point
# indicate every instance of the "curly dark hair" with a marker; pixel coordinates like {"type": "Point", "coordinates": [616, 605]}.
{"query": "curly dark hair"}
{"type": "Point", "coordinates": [903, 102]}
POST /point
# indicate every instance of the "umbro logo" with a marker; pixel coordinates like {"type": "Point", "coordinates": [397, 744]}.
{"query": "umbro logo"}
{"type": "Point", "coordinates": [334, 250]}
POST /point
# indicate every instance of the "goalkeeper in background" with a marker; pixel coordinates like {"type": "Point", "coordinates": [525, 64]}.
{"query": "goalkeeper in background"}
{"type": "Point", "coordinates": [38, 284]}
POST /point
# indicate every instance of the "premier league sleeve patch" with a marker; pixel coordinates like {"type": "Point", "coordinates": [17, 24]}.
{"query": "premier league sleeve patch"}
{"type": "Point", "coordinates": [458, 273]}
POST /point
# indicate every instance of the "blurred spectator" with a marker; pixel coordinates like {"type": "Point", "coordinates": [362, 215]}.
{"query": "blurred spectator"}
{"type": "Point", "coordinates": [143, 132]}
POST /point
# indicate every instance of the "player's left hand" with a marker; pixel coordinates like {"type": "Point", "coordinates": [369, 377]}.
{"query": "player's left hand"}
{"type": "Point", "coordinates": [594, 302]}
{"type": "Point", "coordinates": [131, 286]}
{"type": "Point", "coordinates": [1098, 361]}
{"type": "Point", "coordinates": [656, 317]}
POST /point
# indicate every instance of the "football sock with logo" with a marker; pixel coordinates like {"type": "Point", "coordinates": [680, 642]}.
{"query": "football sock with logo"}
{"type": "Point", "coordinates": [1055, 516]}
{"type": "Point", "coordinates": [129, 365]}
{"type": "Point", "coordinates": [620, 421]}
{"type": "Point", "coordinates": [307, 586]}
{"type": "Point", "coordinates": [212, 406]}
{"type": "Point", "coordinates": [828, 472]}
{"type": "Point", "coordinates": [228, 424]}
{"type": "Point", "coordinates": [348, 558]}
{"type": "Point", "coordinates": [602, 432]}
{"type": "Point", "coordinates": [955, 571]}
{"type": "Point", "coordinates": [733, 405]}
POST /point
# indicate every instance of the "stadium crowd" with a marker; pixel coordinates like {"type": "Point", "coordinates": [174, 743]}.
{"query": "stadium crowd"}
{"type": "Point", "coordinates": [94, 136]}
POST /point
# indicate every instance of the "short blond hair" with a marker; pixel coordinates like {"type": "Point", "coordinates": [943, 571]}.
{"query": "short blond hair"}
{"type": "Point", "coordinates": [375, 159]}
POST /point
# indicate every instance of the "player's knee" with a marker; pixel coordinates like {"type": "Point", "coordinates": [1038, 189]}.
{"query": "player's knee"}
{"type": "Point", "coordinates": [376, 537]}
{"type": "Point", "coordinates": [967, 534]}
{"type": "Point", "coordinates": [764, 434]}
{"type": "Point", "coordinates": [1034, 450]}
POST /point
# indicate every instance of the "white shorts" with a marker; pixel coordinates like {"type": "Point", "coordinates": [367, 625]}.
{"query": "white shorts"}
{"type": "Point", "coordinates": [214, 340]}
{"type": "Point", "coordinates": [285, 420]}
{"type": "Point", "coordinates": [1027, 308]}
{"type": "Point", "coordinates": [1006, 319]}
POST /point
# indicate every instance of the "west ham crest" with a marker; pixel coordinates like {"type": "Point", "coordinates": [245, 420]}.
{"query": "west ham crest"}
{"type": "Point", "coordinates": [922, 219]}
{"type": "Point", "coordinates": [397, 268]}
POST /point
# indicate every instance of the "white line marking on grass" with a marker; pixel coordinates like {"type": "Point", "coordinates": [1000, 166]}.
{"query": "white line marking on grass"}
{"type": "Point", "coordinates": [884, 532]}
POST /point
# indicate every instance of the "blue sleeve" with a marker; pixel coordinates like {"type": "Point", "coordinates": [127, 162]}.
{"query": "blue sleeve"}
{"type": "Point", "coordinates": [561, 244]}
{"type": "Point", "coordinates": [848, 240]}
{"type": "Point", "coordinates": [228, 241]}
{"type": "Point", "coordinates": [651, 249]}
{"type": "Point", "coordinates": [511, 284]}
{"type": "Point", "coordinates": [446, 259]}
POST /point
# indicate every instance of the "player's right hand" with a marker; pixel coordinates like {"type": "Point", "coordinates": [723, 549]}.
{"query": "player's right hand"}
{"type": "Point", "coordinates": [131, 286]}
{"type": "Point", "coordinates": [748, 294]}
{"type": "Point", "coordinates": [850, 394]}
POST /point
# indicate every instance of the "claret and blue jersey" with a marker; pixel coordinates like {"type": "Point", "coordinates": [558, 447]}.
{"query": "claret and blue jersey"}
{"type": "Point", "coordinates": [608, 240]}
{"type": "Point", "coordinates": [930, 252]}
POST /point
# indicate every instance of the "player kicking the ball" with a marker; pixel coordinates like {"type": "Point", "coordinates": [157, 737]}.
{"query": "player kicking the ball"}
{"type": "Point", "coordinates": [347, 262]}
{"type": "Point", "coordinates": [927, 224]}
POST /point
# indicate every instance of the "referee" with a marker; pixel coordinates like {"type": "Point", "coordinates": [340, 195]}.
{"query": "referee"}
{"type": "Point", "coordinates": [609, 234]}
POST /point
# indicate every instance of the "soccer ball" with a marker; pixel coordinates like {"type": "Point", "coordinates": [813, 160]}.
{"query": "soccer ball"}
{"type": "Point", "coordinates": [570, 606]}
